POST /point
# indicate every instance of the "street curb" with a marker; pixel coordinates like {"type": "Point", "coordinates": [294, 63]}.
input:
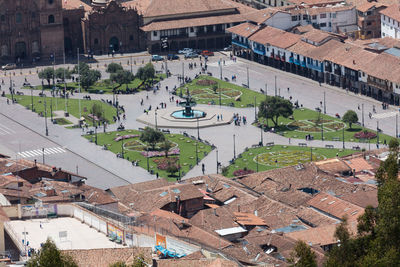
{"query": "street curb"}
{"type": "Point", "coordinates": [97, 165]}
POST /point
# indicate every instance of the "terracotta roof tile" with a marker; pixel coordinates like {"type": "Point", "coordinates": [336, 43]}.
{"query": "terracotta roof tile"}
{"type": "Point", "coordinates": [358, 164]}
{"type": "Point", "coordinates": [248, 219]}
{"type": "Point", "coordinates": [333, 166]}
{"type": "Point", "coordinates": [275, 37]}
{"type": "Point", "coordinates": [244, 29]}
{"type": "Point", "coordinates": [368, 5]}
{"type": "Point", "coordinates": [392, 11]}
{"type": "Point", "coordinates": [362, 198]}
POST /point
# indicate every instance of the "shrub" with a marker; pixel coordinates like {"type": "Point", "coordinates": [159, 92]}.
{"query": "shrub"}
{"type": "Point", "coordinates": [165, 163]}
{"type": "Point", "coordinates": [242, 172]}
{"type": "Point", "coordinates": [365, 135]}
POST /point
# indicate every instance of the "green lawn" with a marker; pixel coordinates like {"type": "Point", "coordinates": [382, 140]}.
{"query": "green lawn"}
{"type": "Point", "coordinates": [304, 123]}
{"type": "Point", "coordinates": [279, 156]}
{"type": "Point", "coordinates": [103, 85]}
{"type": "Point", "coordinates": [133, 148]}
{"type": "Point", "coordinates": [59, 104]}
{"type": "Point", "coordinates": [231, 94]}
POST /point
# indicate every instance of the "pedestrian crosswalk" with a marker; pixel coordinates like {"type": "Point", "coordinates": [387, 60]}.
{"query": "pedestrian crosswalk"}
{"type": "Point", "coordinates": [4, 130]}
{"type": "Point", "coordinates": [385, 115]}
{"type": "Point", "coordinates": [41, 151]}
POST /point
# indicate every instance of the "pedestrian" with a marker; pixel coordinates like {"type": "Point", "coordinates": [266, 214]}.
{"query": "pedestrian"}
{"type": "Point", "coordinates": [157, 175]}
{"type": "Point", "coordinates": [221, 117]}
{"type": "Point", "coordinates": [217, 117]}
{"type": "Point", "coordinates": [289, 140]}
{"type": "Point", "coordinates": [203, 168]}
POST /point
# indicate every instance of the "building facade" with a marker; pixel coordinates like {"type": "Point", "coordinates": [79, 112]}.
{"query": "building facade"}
{"type": "Point", "coordinates": [369, 20]}
{"type": "Point", "coordinates": [390, 21]}
{"type": "Point", "coordinates": [30, 29]}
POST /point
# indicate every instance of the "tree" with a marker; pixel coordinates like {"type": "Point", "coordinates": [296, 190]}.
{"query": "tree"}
{"type": "Point", "coordinates": [152, 137]}
{"type": "Point", "coordinates": [172, 168]}
{"type": "Point", "coordinates": [274, 107]}
{"type": "Point", "coordinates": [97, 110]}
{"type": "Point", "coordinates": [83, 67]}
{"type": "Point", "coordinates": [60, 73]}
{"type": "Point", "coordinates": [46, 74]}
{"type": "Point", "coordinates": [114, 67]}
{"type": "Point", "coordinates": [88, 78]}
{"type": "Point", "coordinates": [122, 77]}
{"type": "Point", "coordinates": [50, 256]}
{"type": "Point", "coordinates": [166, 146]}
{"type": "Point", "coordinates": [146, 73]}
{"type": "Point", "coordinates": [350, 117]}
{"type": "Point", "coordinates": [302, 256]}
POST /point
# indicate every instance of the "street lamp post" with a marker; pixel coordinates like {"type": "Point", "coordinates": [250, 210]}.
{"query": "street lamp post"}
{"type": "Point", "coordinates": [155, 119]}
{"type": "Point", "coordinates": [362, 114]}
{"type": "Point", "coordinates": [79, 86]}
{"type": "Point", "coordinates": [343, 136]}
{"type": "Point", "coordinates": [95, 134]}
{"type": "Point", "coordinates": [131, 65]}
{"type": "Point", "coordinates": [275, 86]}
{"type": "Point", "coordinates": [147, 158]}
{"type": "Point", "coordinates": [324, 103]}
{"type": "Point", "coordinates": [122, 148]}
{"type": "Point", "coordinates": [198, 129]}
{"type": "Point", "coordinates": [51, 109]}
{"type": "Point", "coordinates": [220, 70]}
{"type": "Point", "coordinates": [197, 154]}
{"type": "Point", "coordinates": [377, 134]}
{"type": "Point", "coordinates": [32, 98]}
{"type": "Point", "coordinates": [248, 79]}
{"type": "Point", "coordinates": [217, 160]}
{"type": "Point", "coordinates": [45, 116]}
{"type": "Point", "coordinates": [261, 136]}
{"type": "Point", "coordinates": [257, 162]}
{"type": "Point", "coordinates": [234, 147]}
{"type": "Point", "coordinates": [397, 128]}
{"type": "Point", "coordinates": [255, 108]}
{"type": "Point", "coordinates": [311, 153]}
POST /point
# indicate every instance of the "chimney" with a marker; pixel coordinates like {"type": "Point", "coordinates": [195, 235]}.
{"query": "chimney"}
{"type": "Point", "coordinates": [215, 212]}
{"type": "Point", "coordinates": [35, 162]}
{"type": "Point", "coordinates": [238, 207]}
{"type": "Point", "coordinates": [354, 62]}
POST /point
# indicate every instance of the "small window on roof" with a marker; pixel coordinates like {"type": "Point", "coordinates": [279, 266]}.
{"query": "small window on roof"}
{"type": "Point", "coordinates": [176, 190]}
{"type": "Point", "coordinates": [226, 185]}
{"type": "Point", "coordinates": [163, 194]}
{"type": "Point", "coordinates": [330, 203]}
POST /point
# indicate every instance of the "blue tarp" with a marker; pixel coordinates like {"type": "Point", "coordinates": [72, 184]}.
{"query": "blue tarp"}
{"type": "Point", "coordinates": [168, 253]}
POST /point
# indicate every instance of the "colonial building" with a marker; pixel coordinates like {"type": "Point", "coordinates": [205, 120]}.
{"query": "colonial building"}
{"type": "Point", "coordinates": [369, 20]}
{"type": "Point", "coordinates": [390, 21]}
{"type": "Point", "coordinates": [30, 29]}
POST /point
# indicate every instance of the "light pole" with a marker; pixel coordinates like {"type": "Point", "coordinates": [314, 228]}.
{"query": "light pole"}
{"type": "Point", "coordinates": [131, 65]}
{"type": "Point", "coordinates": [234, 147]}
{"type": "Point", "coordinates": [255, 108]}
{"type": "Point", "coordinates": [43, 154]}
{"type": "Point", "coordinates": [324, 103]}
{"type": "Point", "coordinates": [275, 86]}
{"type": "Point", "coordinates": [198, 129]}
{"type": "Point", "coordinates": [147, 158]}
{"type": "Point", "coordinates": [261, 136]}
{"type": "Point", "coordinates": [397, 128]}
{"type": "Point", "coordinates": [217, 160]}
{"type": "Point", "coordinates": [65, 89]}
{"type": "Point", "coordinates": [45, 116]}
{"type": "Point", "coordinates": [362, 114]}
{"type": "Point", "coordinates": [266, 88]}
{"type": "Point", "coordinates": [79, 86]}
{"type": "Point", "coordinates": [343, 136]}
{"type": "Point", "coordinates": [257, 162]}
{"type": "Point", "coordinates": [220, 70]}
{"type": "Point", "coordinates": [311, 153]}
{"type": "Point", "coordinates": [155, 118]}
{"type": "Point", "coordinates": [122, 148]}
{"type": "Point", "coordinates": [377, 134]}
{"type": "Point", "coordinates": [197, 154]}
{"type": "Point", "coordinates": [183, 73]}
{"type": "Point", "coordinates": [51, 109]}
{"type": "Point", "coordinates": [32, 97]}
{"type": "Point", "coordinates": [248, 79]}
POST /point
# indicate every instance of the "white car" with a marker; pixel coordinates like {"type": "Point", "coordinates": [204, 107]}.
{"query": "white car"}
{"type": "Point", "coordinates": [9, 66]}
{"type": "Point", "coordinates": [185, 51]}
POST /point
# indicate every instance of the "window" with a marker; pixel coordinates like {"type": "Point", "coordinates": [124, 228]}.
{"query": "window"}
{"type": "Point", "coordinates": [389, 20]}
{"type": "Point", "coordinates": [368, 23]}
{"type": "Point", "coordinates": [51, 2]}
{"type": "Point", "coordinates": [330, 24]}
{"type": "Point", "coordinates": [50, 19]}
{"type": "Point", "coordinates": [314, 17]}
{"type": "Point", "coordinates": [66, 21]}
{"type": "Point", "coordinates": [322, 25]}
{"type": "Point", "coordinates": [96, 41]}
{"type": "Point", "coordinates": [305, 17]}
{"type": "Point", "coordinates": [154, 33]}
{"type": "Point", "coordinates": [131, 37]}
{"type": "Point", "coordinates": [2, 18]}
{"type": "Point", "coordinates": [322, 16]}
{"type": "Point", "coordinates": [18, 18]}
{"type": "Point", "coordinates": [282, 3]}
{"type": "Point", "coordinates": [334, 15]}
{"type": "Point", "coordinates": [294, 18]}
{"type": "Point", "coordinates": [191, 29]}
{"type": "Point", "coordinates": [33, 15]}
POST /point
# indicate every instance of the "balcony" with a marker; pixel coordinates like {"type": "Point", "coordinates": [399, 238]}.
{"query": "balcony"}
{"type": "Point", "coordinates": [259, 50]}
{"type": "Point", "coordinates": [208, 33]}
{"type": "Point", "coordinates": [384, 86]}
{"type": "Point", "coordinates": [239, 43]}
{"type": "Point", "coordinates": [176, 36]}
{"type": "Point", "coordinates": [338, 71]}
{"type": "Point", "coordinates": [315, 67]}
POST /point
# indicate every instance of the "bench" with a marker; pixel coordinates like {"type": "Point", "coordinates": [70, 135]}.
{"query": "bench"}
{"type": "Point", "coordinates": [335, 138]}
{"type": "Point", "coordinates": [165, 131]}
{"type": "Point", "coordinates": [302, 144]}
{"type": "Point", "coordinates": [141, 129]}
{"type": "Point", "coordinates": [329, 146]}
{"type": "Point", "coordinates": [270, 144]}
{"type": "Point", "coordinates": [245, 85]}
{"type": "Point", "coordinates": [255, 145]}
{"type": "Point", "coordinates": [356, 148]}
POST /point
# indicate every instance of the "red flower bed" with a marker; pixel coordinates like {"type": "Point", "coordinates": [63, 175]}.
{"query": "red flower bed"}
{"type": "Point", "coordinates": [242, 172]}
{"type": "Point", "coordinates": [163, 163]}
{"type": "Point", "coordinates": [206, 82]}
{"type": "Point", "coordinates": [365, 135]}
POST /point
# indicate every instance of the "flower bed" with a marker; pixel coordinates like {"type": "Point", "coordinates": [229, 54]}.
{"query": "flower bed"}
{"type": "Point", "coordinates": [365, 135]}
{"type": "Point", "coordinates": [206, 82]}
{"type": "Point", "coordinates": [150, 154]}
{"type": "Point", "coordinates": [242, 172]}
{"type": "Point", "coordinates": [119, 138]}
{"type": "Point", "coordinates": [164, 163]}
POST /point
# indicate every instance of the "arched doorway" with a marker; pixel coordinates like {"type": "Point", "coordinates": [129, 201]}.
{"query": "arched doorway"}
{"type": "Point", "coordinates": [114, 44]}
{"type": "Point", "coordinates": [67, 45]}
{"type": "Point", "coordinates": [20, 50]}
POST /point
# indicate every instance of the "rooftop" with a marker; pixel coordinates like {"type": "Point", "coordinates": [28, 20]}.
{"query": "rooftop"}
{"type": "Point", "coordinates": [392, 11]}
{"type": "Point", "coordinates": [79, 235]}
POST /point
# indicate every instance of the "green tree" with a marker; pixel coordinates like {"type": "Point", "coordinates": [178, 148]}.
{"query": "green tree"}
{"type": "Point", "coordinates": [46, 74]}
{"type": "Point", "coordinates": [146, 73]}
{"type": "Point", "coordinates": [302, 256]}
{"type": "Point", "coordinates": [60, 73]}
{"type": "Point", "coordinates": [88, 78]}
{"type": "Point", "coordinates": [166, 146]}
{"type": "Point", "coordinates": [152, 137]}
{"type": "Point", "coordinates": [97, 111]}
{"type": "Point", "coordinates": [274, 107]}
{"type": "Point", "coordinates": [350, 117]}
{"type": "Point", "coordinates": [83, 67]}
{"type": "Point", "coordinates": [114, 67]}
{"type": "Point", "coordinates": [122, 77]}
{"type": "Point", "coordinates": [172, 168]}
{"type": "Point", "coordinates": [50, 256]}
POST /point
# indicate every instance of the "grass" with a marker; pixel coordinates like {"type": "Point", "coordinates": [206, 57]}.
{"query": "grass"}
{"type": "Point", "coordinates": [204, 94]}
{"type": "Point", "coordinates": [59, 104]}
{"type": "Point", "coordinates": [186, 145]}
{"type": "Point", "coordinates": [103, 85]}
{"type": "Point", "coordinates": [63, 121]}
{"type": "Point", "coordinates": [284, 156]}
{"type": "Point", "coordinates": [303, 123]}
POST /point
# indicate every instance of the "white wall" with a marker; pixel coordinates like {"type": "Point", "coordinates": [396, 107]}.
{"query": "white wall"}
{"type": "Point", "coordinates": [280, 20]}
{"type": "Point", "coordinates": [391, 28]}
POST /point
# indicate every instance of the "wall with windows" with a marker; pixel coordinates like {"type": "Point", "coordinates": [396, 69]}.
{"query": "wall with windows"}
{"type": "Point", "coordinates": [390, 27]}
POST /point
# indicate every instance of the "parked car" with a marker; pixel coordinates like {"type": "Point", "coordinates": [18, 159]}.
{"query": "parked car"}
{"type": "Point", "coordinates": [228, 48]}
{"type": "Point", "coordinates": [156, 58]}
{"type": "Point", "coordinates": [207, 53]}
{"type": "Point", "coordinates": [191, 55]}
{"type": "Point", "coordinates": [172, 57]}
{"type": "Point", "coordinates": [9, 66]}
{"type": "Point", "coordinates": [185, 51]}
